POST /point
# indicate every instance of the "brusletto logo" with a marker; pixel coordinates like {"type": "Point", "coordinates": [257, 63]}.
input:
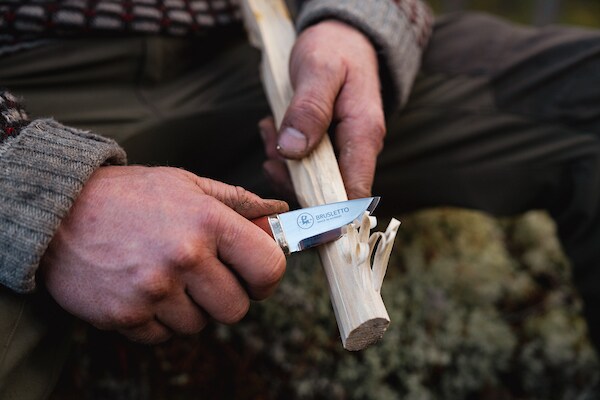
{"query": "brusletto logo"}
{"type": "Point", "coordinates": [331, 214]}
{"type": "Point", "coordinates": [305, 220]}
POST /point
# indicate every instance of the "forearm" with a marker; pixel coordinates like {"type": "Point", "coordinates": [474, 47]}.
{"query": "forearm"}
{"type": "Point", "coordinates": [43, 167]}
{"type": "Point", "coordinates": [399, 30]}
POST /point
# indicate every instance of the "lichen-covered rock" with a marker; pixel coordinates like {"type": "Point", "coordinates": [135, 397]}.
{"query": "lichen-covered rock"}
{"type": "Point", "coordinates": [477, 307]}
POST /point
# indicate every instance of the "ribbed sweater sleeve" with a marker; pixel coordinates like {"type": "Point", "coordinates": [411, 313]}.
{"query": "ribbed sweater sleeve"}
{"type": "Point", "coordinates": [399, 30]}
{"type": "Point", "coordinates": [43, 167]}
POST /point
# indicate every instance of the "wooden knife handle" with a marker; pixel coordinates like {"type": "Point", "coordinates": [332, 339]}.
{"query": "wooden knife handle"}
{"type": "Point", "coordinates": [263, 223]}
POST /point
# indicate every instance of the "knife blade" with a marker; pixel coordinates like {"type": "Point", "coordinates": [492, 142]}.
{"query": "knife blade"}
{"type": "Point", "coordinates": [309, 227]}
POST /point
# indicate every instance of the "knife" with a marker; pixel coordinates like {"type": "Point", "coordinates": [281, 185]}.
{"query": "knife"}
{"type": "Point", "coordinates": [309, 227]}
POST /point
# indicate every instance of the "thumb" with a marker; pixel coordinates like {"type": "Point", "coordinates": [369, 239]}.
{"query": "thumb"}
{"type": "Point", "coordinates": [240, 200]}
{"type": "Point", "coordinates": [310, 111]}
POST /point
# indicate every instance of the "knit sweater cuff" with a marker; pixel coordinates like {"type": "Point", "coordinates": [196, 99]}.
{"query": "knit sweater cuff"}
{"type": "Point", "coordinates": [42, 170]}
{"type": "Point", "coordinates": [399, 32]}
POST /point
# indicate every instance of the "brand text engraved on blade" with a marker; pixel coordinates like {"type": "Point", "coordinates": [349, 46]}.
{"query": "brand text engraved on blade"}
{"type": "Point", "coordinates": [332, 214]}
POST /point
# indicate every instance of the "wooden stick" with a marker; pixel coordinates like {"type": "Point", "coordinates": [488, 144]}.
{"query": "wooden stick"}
{"type": "Point", "coordinates": [354, 286]}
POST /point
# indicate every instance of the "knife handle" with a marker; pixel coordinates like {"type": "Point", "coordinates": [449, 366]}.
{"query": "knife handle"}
{"type": "Point", "coordinates": [272, 226]}
{"type": "Point", "coordinates": [263, 223]}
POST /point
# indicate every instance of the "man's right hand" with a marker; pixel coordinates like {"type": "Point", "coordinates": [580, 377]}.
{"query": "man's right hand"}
{"type": "Point", "coordinates": [151, 251]}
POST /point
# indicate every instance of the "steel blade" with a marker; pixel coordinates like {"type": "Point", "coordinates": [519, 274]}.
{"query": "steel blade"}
{"type": "Point", "coordinates": [309, 227]}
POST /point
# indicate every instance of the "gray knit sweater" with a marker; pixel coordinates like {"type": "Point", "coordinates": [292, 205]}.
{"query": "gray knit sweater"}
{"type": "Point", "coordinates": [44, 165]}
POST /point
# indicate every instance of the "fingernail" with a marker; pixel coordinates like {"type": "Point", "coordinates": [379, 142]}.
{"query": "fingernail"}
{"type": "Point", "coordinates": [292, 141]}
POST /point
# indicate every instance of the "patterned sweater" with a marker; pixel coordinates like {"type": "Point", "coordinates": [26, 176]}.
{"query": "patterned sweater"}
{"type": "Point", "coordinates": [44, 165]}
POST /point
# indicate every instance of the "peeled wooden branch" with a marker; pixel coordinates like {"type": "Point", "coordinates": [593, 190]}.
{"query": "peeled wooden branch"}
{"type": "Point", "coordinates": [354, 286]}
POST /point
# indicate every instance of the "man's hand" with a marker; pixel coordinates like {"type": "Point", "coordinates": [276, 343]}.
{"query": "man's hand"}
{"type": "Point", "coordinates": [155, 251]}
{"type": "Point", "coordinates": [334, 72]}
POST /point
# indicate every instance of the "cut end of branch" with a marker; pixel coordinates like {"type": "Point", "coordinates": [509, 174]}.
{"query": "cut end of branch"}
{"type": "Point", "coordinates": [366, 334]}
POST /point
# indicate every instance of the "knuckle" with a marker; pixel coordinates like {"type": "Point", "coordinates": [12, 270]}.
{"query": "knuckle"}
{"type": "Point", "coordinates": [230, 236]}
{"type": "Point", "coordinates": [240, 193]}
{"type": "Point", "coordinates": [376, 142]}
{"type": "Point", "coordinates": [213, 189]}
{"type": "Point", "coordinates": [370, 139]}
{"type": "Point", "coordinates": [235, 312]}
{"type": "Point", "coordinates": [379, 131]}
{"type": "Point", "coordinates": [183, 257]}
{"type": "Point", "coordinates": [310, 111]}
{"type": "Point", "coordinates": [362, 182]}
{"type": "Point", "coordinates": [156, 286]}
{"type": "Point", "coordinates": [242, 199]}
{"type": "Point", "coordinates": [376, 118]}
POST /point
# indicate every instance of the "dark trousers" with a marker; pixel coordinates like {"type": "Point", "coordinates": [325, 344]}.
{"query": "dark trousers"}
{"type": "Point", "coordinates": [502, 119]}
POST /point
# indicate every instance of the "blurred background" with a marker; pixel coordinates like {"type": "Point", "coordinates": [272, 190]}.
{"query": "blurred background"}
{"type": "Point", "coordinates": [533, 12]}
{"type": "Point", "coordinates": [481, 308]}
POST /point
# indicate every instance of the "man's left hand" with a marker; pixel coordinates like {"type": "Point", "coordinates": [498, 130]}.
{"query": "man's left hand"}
{"type": "Point", "coordinates": [335, 75]}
